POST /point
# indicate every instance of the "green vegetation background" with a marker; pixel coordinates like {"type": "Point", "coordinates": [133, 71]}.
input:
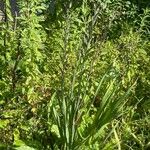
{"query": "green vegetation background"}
{"type": "Point", "coordinates": [75, 75]}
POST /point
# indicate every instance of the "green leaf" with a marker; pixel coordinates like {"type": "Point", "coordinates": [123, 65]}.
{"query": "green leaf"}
{"type": "Point", "coordinates": [24, 147]}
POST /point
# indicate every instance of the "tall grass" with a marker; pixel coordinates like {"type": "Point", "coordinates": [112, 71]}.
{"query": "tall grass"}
{"type": "Point", "coordinates": [72, 109]}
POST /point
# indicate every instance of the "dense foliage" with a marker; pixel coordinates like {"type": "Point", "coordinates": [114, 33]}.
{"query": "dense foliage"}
{"type": "Point", "coordinates": [75, 75]}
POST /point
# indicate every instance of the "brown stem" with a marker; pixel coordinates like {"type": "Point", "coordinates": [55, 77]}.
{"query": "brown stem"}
{"type": "Point", "coordinates": [14, 77]}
